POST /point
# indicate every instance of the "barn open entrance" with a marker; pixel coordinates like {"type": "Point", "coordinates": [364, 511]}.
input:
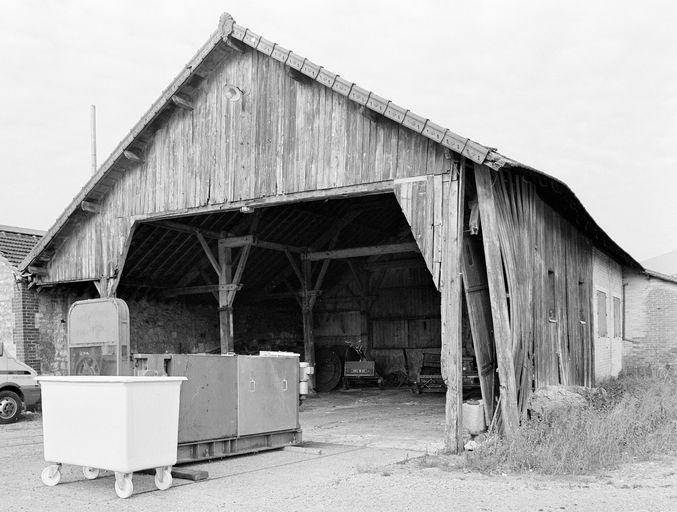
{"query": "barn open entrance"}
{"type": "Point", "coordinates": [344, 276]}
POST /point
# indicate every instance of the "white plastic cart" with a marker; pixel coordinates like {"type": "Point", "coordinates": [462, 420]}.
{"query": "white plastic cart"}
{"type": "Point", "coordinates": [120, 424]}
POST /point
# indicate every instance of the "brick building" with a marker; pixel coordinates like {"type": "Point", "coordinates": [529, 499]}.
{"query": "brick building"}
{"type": "Point", "coordinates": [650, 329]}
{"type": "Point", "coordinates": [18, 305]}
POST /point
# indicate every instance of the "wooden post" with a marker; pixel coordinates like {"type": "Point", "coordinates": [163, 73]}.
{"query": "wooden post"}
{"type": "Point", "coordinates": [102, 286]}
{"type": "Point", "coordinates": [499, 302]}
{"type": "Point", "coordinates": [451, 314]}
{"type": "Point", "coordinates": [225, 309]}
{"type": "Point", "coordinates": [479, 313]}
{"type": "Point", "coordinates": [362, 282]}
{"type": "Point", "coordinates": [307, 303]}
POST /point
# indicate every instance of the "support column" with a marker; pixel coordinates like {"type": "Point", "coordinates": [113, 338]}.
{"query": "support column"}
{"type": "Point", "coordinates": [450, 284]}
{"type": "Point", "coordinates": [26, 334]}
{"type": "Point", "coordinates": [307, 304]}
{"type": "Point", "coordinates": [229, 284]}
{"type": "Point", "coordinates": [225, 309]}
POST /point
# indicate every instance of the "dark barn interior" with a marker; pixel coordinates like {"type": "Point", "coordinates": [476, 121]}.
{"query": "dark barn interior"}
{"type": "Point", "coordinates": [373, 296]}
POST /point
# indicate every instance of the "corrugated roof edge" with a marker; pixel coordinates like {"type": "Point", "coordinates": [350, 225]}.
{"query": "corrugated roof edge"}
{"type": "Point", "coordinates": [227, 27]}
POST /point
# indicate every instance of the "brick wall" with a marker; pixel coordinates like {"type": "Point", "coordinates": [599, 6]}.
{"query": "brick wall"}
{"type": "Point", "coordinates": [607, 277]}
{"type": "Point", "coordinates": [6, 315]}
{"type": "Point", "coordinates": [26, 334]}
{"type": "Point", "coordinates": [650, 322]}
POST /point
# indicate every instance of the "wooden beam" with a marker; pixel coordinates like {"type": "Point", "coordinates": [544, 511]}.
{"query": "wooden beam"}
{"type": "Point", "coordinates": [229, 284]}
{"type": "Point", "coordinates": [359, 252]}
{"type": "Point", "coordinates": [307, 303]}
{"type": "Point", "coordinates": [236, 45]}
{"type": "Point", "coordinates": [190, 230]}
{"type": "Point", "coordinates": [182, 102]}
{"type": "Point", "coordinates": [297, 76]}
{"type": "Point", "coordinates": [499, 302]}
{"type": "Point", "coordinates": [208, 252]}
{"type": "Point", "coordinates": [246, 250]}
{"type": "Point", "coordinates": [394, 264]}
{"type": "Point", "coordinates": [237, 241]}
{"type": "Point", "coordinates": [325, 267]}
{"type": "Point", "coordinates": [295, 267]}
{"type": "Point", "coordinates": [370, 114]}
{"type": "Point", "coordinates": [255, 297]}
{"type": "Point", "coordinates": [132, 156]}
{"type": "Point", "coordinates": [450, 312]}
{"type": "Point", "coordinates": [225, 273]}
{"type": "Point", "coordinates": [479, 315]}
{"type": "Point", "coordinates": [38, 271]}
{"type": "Point", "coordinates": [264, 244]}
{"type": "Point", "coordinates": [190, 290]}
{"type": "Point", "coordinates": [123, 258]}
{"type": "Point", "coordinates": [90, 207]}
{"type": "Point", "coordinates": [104, 286]}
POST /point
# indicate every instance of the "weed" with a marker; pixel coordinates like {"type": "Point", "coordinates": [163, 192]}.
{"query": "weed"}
{"type": "Point", "coordinates": [634, 419]}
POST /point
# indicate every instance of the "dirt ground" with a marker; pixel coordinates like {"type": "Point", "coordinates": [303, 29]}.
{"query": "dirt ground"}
{"type": "Point", "coordinates": [363, 451]}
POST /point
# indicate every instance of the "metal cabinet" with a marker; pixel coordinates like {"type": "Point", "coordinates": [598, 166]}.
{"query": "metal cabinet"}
{"type": "Point", "coordinates": [268, 394]}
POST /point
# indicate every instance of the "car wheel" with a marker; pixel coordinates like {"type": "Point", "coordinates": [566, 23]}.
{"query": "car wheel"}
{"type": "Point", "coordinates": [10, 407]}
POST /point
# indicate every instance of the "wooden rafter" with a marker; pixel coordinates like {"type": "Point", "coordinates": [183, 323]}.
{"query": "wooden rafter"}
{"type": "Point", "coordinates": [208, 252]}
{"type": "Point", "coordinates": [190, 230]}
{"type": "Point", "coordinates": [182, 102]}
{"type": "Point", "coordinates": [358, 252]}
{"type": "Point", "coordinates": [90, 207]}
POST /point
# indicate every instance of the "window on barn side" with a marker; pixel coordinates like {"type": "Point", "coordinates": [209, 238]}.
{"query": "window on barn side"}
{"type": "Point", "coordinates": [602, 330]}
{"type": "Point", "coordinates": [617, 317]}
{"type": "Point", "coordinates": [582, 303]}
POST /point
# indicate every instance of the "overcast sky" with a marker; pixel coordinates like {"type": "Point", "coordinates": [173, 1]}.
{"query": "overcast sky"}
{"type": "Point", "coordinates": [582, 90]}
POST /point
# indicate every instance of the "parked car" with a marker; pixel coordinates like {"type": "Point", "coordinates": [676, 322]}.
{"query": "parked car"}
{"type": "Point", "coordinates": [18, 388]}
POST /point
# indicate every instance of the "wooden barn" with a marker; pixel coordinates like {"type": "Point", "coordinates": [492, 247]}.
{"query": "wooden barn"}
{"type": "Point", "coordinates": [264, 202]}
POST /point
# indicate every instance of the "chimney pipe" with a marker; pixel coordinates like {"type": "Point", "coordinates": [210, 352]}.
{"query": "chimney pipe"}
{"type": "Point", "coordinates": [92, 123]}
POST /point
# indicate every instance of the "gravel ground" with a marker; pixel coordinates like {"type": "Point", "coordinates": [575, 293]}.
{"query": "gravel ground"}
{"type": "Point", "coordinates": [363, 452]}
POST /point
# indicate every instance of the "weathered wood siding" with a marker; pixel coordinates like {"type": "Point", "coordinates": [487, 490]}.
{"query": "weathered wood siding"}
{"type": "Point", "coordinates": [282, 137]}
{"type": "Point", "coordinates": [548, 272]}
{"type": "Point", "coordinates": [424, 205]}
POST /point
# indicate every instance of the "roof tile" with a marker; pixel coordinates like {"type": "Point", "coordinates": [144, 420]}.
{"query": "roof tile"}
{"type": "Point", "coordinates": [15, 246]}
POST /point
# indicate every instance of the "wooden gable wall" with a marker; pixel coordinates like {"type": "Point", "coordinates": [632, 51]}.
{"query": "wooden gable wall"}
{"type": "Point", "coordinates": [283, 137]}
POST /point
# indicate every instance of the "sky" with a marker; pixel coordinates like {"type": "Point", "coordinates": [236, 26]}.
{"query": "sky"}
{"type": "Point", "coordinates": [585, 91]}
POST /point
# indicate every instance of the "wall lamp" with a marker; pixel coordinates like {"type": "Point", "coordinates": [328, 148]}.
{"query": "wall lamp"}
{"type": "Point", "coordinates": [232, 93]}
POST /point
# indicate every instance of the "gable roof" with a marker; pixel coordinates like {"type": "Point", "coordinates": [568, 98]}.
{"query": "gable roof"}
{"type": "Point", "coordinates": [234, 35]}
{"type": "Point", "coordinates": [16, 243]}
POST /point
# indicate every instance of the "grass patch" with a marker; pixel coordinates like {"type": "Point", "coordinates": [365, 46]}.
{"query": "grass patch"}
{"type": "Point", "coordinates": [636, 419]}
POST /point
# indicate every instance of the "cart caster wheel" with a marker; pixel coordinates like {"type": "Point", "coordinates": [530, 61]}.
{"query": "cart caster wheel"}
{"type": "Point", "coordinates": [123, 485]}
{"type": "Point", "coordinates": [163, 478]}
{"type": "Point", "coordinates": [90, 473]}
{"type": "Point", "coordinates": [51, 475]}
